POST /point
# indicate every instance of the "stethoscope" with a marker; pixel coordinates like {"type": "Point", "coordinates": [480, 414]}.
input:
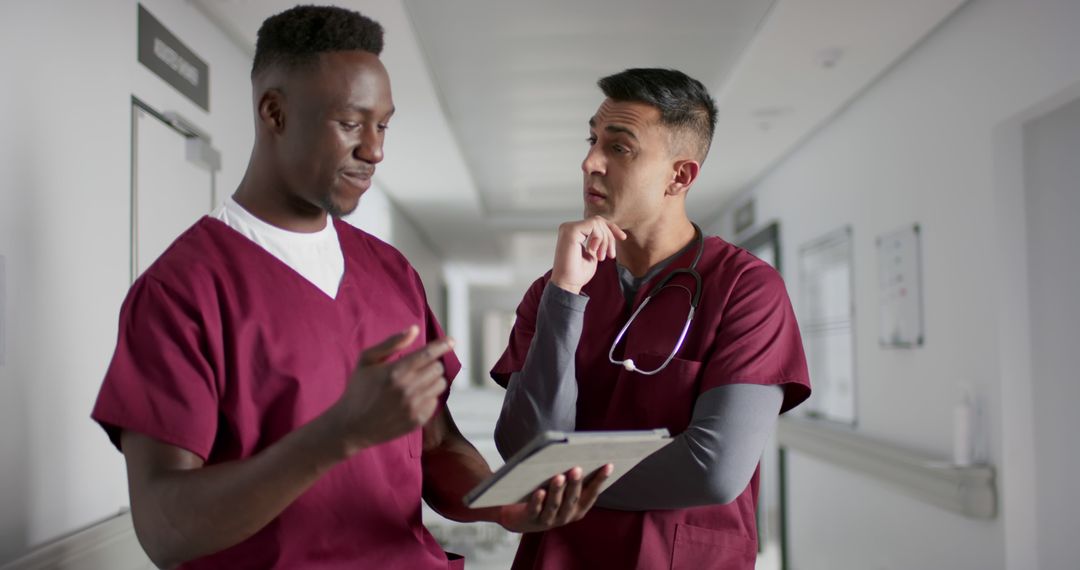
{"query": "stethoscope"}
{"type": "Point", "coordinates": [695, 297]}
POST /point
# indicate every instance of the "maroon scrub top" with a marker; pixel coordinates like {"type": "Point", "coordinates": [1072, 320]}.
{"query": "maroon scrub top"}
{"type": "Point", "coordinates": [744, 332]}
{"type": "Point", "coordinates": [223, 349]}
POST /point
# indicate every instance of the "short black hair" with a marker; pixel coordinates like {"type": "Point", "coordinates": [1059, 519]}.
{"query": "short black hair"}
{"type": "Point", "coordinates": [298, 35]}
{"type": "Point", "coordinates": [683, 102]}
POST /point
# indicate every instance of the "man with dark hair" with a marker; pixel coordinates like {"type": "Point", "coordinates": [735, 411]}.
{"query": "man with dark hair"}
{"type": "Point", "coordinates": [685, 106]}
{"type": "Point", "coordinates": [644, 323]}
{"type": "Point", "coordinates": [279, 383]}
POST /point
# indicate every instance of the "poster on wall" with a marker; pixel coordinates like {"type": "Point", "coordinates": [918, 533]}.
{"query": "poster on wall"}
{"type": "Point", "coordinates": [826, 318]}
{"type": "Point", "coordinates": [900, 318]}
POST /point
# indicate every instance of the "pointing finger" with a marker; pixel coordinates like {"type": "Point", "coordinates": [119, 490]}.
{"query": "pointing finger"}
{"type": "Point", "coordinates": [389, 347]}
{"type": "Point", "coordinates": [424, 356]}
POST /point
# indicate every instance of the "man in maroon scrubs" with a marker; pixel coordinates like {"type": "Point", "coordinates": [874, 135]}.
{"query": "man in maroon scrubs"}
{"type": "Point", "coordinates": [279, 382]}
{"type": "Point", "coordinates": [599, 345]}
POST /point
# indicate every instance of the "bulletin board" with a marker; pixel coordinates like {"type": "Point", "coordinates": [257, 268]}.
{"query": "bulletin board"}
{"type": "Point", "coordinates": [827, 319]}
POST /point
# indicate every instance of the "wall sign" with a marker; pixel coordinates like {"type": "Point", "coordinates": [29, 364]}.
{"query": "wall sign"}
{"type": "Point", "coordinates": [168, 57]}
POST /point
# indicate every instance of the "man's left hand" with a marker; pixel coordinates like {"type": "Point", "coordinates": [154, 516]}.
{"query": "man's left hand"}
{"type": "Point", "coordinates": [565, 499]}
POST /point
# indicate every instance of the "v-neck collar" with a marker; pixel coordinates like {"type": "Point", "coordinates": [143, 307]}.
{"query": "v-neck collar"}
{"type": "Point", "coordinates": [275, 261]}
{"type": "Point", "coordinates": [627, 279]}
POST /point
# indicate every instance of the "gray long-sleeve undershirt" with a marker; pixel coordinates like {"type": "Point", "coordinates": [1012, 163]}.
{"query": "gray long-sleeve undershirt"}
{"type": "Point", "coordinates": [711, 462]}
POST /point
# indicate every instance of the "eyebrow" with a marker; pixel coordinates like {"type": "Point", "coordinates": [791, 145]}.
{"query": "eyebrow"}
{"type": "Point", "coordinates": [367, 110]}
{"type": "Point", "coordinates": [614, 129]}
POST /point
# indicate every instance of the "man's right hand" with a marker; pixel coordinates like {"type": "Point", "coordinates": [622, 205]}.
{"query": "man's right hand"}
{"type": "Point", "coordinates": [183, 510]}
{"type": "Point", "coordinates": [580, 247]}
{"type": "Point", "coordinates": [384, 400]}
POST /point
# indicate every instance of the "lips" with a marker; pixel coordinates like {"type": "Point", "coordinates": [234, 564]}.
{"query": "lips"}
{"type": "Point", "coordinates": [360, 178]}
{"type": "Point", "coordinates": [359, 174]}
{"type": "Point", "coordinates": [594, 196]}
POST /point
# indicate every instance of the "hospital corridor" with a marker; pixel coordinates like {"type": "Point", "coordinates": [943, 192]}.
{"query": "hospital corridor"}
{"type": "Point", "coordinates": [790, 284]}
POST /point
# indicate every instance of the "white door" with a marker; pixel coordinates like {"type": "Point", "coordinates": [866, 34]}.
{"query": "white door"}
{"type": "Point", "coordinates": [169, 191]}
{"type": "Point", "coordinates": [1053, 207]}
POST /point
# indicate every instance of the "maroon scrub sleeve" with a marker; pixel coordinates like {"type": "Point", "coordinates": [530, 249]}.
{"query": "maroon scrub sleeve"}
{"type": "Point", "coordinates": [758, 341]}
{"type": "Point", "coordinates": [160, 382]}
{"type": "Point", "coordinates": [521, 335]}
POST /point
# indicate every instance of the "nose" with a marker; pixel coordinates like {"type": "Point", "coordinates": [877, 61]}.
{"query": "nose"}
{"type": "Point", "coordinates": [370, 149]}
{"type": "Point", "coordinates": [594, 161]}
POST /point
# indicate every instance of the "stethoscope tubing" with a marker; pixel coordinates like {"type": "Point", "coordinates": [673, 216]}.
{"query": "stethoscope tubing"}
{"type": "Point", "coordinates": [695, 298]}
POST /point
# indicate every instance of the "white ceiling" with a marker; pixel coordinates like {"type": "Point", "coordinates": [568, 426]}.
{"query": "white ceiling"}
{"type": "Point", "coordinates": [518, 80]}
{"type": "Point", "coordinates": [493, 97]}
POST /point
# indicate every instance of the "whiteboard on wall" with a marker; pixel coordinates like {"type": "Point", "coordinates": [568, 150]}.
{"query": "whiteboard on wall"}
{"type": "Point", "coordinates": [826, 318]}
{"type": "Point", "coordinates": [900, 317]}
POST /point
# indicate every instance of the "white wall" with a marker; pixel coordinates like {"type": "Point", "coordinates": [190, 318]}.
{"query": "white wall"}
{"type": "Point", "coordinates": [69, 71]}
{"type": "Point", "coordinates": [427, 260]}
{"type": "Point", "coordinates": [493, 310]}
{"type": "Point", "coordinates": [932, 142]}
{"type": "Point", "coordinates": [378, 215]}
{"type": "Point", "coordinates": [1053, 208]}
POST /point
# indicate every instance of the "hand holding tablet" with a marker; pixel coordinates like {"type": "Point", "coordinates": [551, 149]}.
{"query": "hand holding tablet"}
{"type": "Point", "coordinates": [552, 453]}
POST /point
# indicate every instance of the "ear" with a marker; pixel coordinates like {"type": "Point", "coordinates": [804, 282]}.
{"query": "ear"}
{"type": "Point", "coordinates": [683, 175]}
{"type": "Point", "coordinates": [272, 110]}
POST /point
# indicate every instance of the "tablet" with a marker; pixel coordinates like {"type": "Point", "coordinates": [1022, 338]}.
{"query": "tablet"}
{"type": "Point", "coordinates": [555, 452]}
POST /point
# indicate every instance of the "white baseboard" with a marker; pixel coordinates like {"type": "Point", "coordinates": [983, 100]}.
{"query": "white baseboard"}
{"type": "Point", "coordinates": [107, 545]}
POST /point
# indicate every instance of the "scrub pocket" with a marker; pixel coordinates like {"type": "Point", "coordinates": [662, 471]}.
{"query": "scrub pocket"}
{"type": "Point", "coordinates": [698, 548]}
{"type": "Point", "coordinates": [663, 399]}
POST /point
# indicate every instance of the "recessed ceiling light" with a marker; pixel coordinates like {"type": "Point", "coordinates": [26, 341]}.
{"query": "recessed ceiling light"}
{"type": "Point", "coordinates": [771, 112]}
{"type": "Point", "coordinates": [829, 57]}
{"type": "Point", "coordinates": [766, 116]}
